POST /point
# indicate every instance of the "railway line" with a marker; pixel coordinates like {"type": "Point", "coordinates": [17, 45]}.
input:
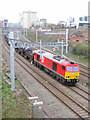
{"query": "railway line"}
{"type": "Point", "coordinates": [73, 89]}
{"type": "Point", "coordinates": [84, 70]}
{"type": "Point", "coordinates": [84, 67]}
{"type": "Point", "coordinates": [82, 112]}
{"type": "Point", "coordinates": [45, 109]}
{"type": "Point", "coordinates": [83, 89]}
{"type": "Point", "coordinates": [81, 92]}
{"type": "Point", "coordinates": [85, 74]}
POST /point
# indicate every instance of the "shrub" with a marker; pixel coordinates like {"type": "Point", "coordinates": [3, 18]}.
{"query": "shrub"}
{"type": "Point", "coordinates": [79, 49]}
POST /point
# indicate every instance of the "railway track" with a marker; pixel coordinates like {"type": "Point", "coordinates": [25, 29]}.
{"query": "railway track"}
{"type": "Point", "coordinates": [85, 67]}
{"type": "Point", "coordinates": [29, 94]}
{"type": "Point", "coordinates": [82, 72]}
{"type": "Point", "coordinates": [85, 74]}
{"type": "Point", "coordinates": [82, 89]}
{"type": "Point", "coordinates": [45, 109]}
{"type": "Point", "coordinates": [81, 92]}
{"type": "Point", "coordinates": [81, 111]}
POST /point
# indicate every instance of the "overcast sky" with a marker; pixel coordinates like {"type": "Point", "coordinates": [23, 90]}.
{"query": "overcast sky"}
{"type": "Point", "coordinates": [52, 10]}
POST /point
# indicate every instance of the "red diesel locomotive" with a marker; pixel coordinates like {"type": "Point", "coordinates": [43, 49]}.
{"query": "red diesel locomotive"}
{"type": "Point", "coordinates": [64, 71]}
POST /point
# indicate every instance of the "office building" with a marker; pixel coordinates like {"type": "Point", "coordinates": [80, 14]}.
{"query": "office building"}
{"type": "Point", "coordinates": [29, 19]}
{"type": "Point", "coordinates": [83, 21]}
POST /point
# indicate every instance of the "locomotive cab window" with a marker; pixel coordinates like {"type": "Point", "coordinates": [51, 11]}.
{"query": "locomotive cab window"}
{"type": "Point", "coordinates": [69, 68]}
{"type": "Point", "coordinates": [63, 67]}
{"type": "Point", "coordinates": [38, 57]}
{"type": "Point", "coordinates": [76, 68]}
{"type": "Point", "coordinates": [54, 66]}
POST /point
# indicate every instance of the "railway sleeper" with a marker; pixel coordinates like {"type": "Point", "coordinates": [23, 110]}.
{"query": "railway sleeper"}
{"type": "Point", "coordinates": [85, 115]}
{"type": "Point", "coordinates": [82, 112]}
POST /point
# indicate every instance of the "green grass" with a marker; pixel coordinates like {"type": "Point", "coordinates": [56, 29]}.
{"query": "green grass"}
{"type": "Point", "coordinates": [31, 35]}
{"type": "Point", "coordinates": [78, 58]}
{"type": "Point", "coordinates": [13, 105]}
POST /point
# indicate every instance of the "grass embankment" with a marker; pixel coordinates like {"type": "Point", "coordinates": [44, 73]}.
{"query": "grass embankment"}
{"type": "Point", "coordinates": [81, 59]}
{"type": "Point", "coordinates": [14, 104]}
{"type": "Point", "coordinates": [77, 58]}
{"type": "Point", "coordinates": [31, 35]}
{"type": "Point", "coordinates": [78, 52]}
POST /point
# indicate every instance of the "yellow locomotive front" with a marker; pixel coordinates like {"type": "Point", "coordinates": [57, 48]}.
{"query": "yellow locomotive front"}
{"type": "Point", "coordinates": [72, 73]}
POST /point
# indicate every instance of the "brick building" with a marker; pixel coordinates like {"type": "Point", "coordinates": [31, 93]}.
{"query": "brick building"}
{"type": "Point", "coordinates": [79, 35]}
{"type": "Point", "coordinates": [75, 35]}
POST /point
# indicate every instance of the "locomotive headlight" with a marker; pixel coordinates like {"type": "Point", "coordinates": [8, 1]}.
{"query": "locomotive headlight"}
{"type": "Point", "coordinates": [77, 80]}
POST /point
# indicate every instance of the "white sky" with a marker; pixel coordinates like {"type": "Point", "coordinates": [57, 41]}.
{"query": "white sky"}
{"type": "Point", "coordinates": [52, 10]}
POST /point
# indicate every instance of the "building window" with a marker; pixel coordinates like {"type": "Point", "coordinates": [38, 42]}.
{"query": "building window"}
{"type": "Point", "coordinates": [86, 41]}
{"type": "Point", "coordinates": [73, 37]}
{"type": "Point", "coordinates": [54, 66]}
{"type": "Point", "coordinates": [80, 37]}
{"type": "Point", "coordinates": [80, 19]}
{"type": "Point", "coordinates": [86, 18]}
